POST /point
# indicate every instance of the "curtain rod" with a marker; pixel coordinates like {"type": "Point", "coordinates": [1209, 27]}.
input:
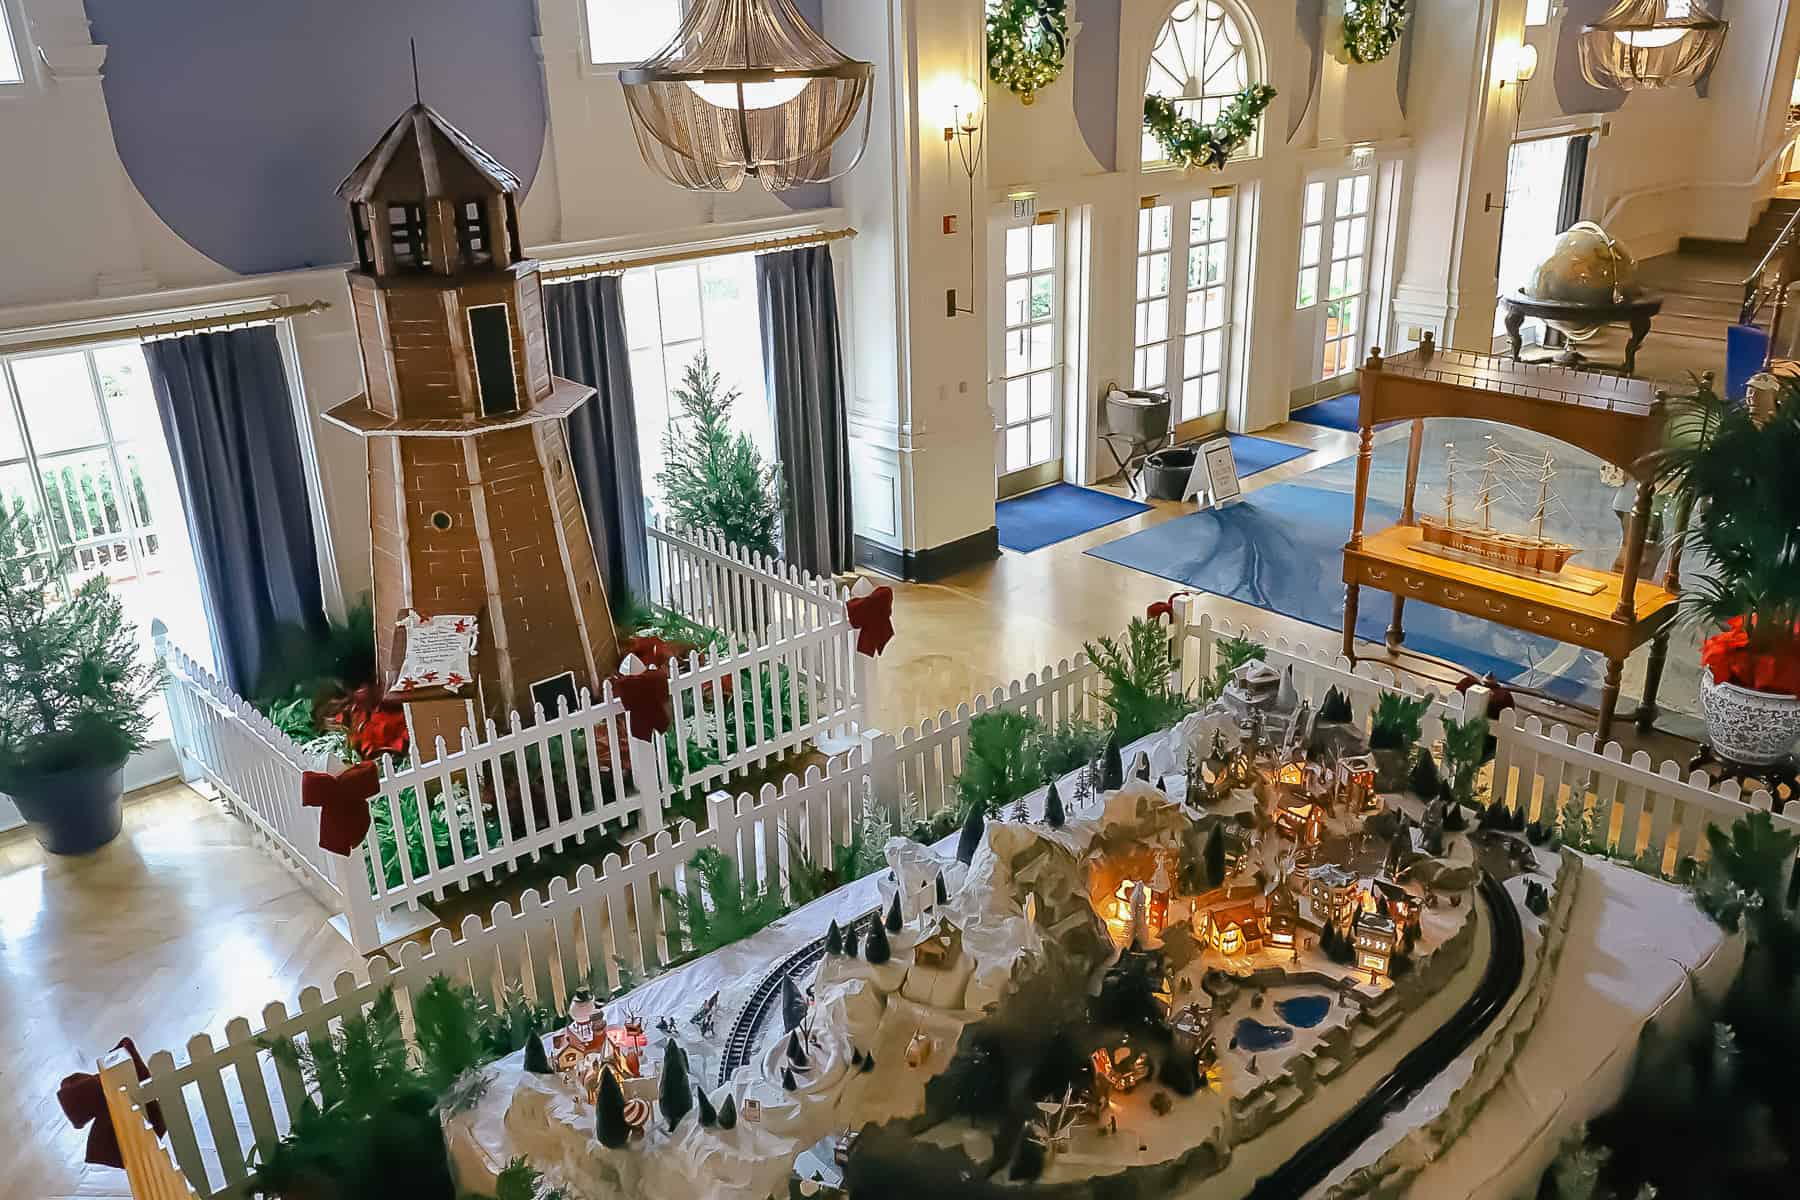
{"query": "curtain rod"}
{"type": "Point", "coordinates": [145, 333]}
{"type": "Point", "coordinates": [588, 270]}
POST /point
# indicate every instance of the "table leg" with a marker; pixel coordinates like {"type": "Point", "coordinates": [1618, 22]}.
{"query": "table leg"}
{"type": "Point", "coordinates": [1352, 593]}
{"type": "Point", "coordinates": [1396, 630]}
{"type": "Point", "coordinates": [1659, 653]}
{"type": "Point", "coordinates": [1640, 329]}
{"type": "Point", "coordinates": [1609, 699]}
{"type": "Point", "coordinates": [1515, 322]}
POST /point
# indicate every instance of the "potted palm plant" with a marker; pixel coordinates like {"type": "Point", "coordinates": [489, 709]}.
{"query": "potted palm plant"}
{"type": "Point", "coordinates": [1737, 478]}
{"type": "Point", "coordinates": [73, 694]}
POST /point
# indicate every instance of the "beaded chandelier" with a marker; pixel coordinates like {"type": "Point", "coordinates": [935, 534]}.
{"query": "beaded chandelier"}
{"type": "Point", "coordinates": [747, 88]}
{"type": "Point", "coordinates": [1651, 44]}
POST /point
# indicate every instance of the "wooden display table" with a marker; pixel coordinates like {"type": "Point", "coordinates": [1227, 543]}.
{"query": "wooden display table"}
{"type": "Point", "coordinates": [1618, 420]}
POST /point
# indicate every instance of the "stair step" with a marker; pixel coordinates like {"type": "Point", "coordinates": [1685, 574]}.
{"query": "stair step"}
{"type": "Point", "coordinates": [1709, 329]}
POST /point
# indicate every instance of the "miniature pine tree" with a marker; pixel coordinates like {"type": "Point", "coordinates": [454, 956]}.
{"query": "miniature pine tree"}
{"type": "Point", "coordinates": [713, 477]}
{"type": "Point", "coordinates": [868, 1063]}
{"type": "Point", "coordinates": [709, 1116]}
{"type": "Point", "coordinates": [728, 1113]}
{"type": "Point", "coordinates": [851, 937]}
{"type": "Point", "coordinates": [1019, 814]}
{"type": "Point", "coordinates": [676, 1096]}
{"type": "Point", "coordinates": [796, 1052]}
{"type": "Point", "coordinates": [609, 1115]}
{"type": "Point", "coordinates": [876, 950]}
{"type": "Point", "coordinates": [1335, 708]}
{"type": "Point", "coordinates": [1112, 771]}
{"type": "Point", "coordinates": [788, 1083]}
{"type": "Point", "coordinates": [1142, 770]}
{"type": "Point", "coordinates": [1054, 816]}
{"type": "Point", "coordinates": [855, 1056]}
{"type": "Point", "coordinates": [834, 939]}
{"type": "Point", "coordinates": [793, 1004]}
{"type": "Point", "coordinates": [894, 918]}
{"type": "Point", "coordinates": [536, 1062]}
{"type": "Point", "coordinates": [970, 841]}
{"type": "Point", "coordinates": [1424, 778]}
{"type": "Point", "coordinates": [943, 893]}
{"type": "Point", "coordinates": [1214, 853]}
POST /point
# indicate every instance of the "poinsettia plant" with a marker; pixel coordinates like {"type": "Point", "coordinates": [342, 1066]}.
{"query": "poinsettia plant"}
{"type": "Point", "coordinates": [1735, 476]}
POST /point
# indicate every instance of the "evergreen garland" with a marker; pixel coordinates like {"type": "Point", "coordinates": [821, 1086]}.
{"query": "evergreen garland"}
{"type": "Point", "coordinates": [1372, 28]}
{"type": "Point", "coordinates": [1026, 43]}
{"type": "Point", "coordinates": [1189, 143]}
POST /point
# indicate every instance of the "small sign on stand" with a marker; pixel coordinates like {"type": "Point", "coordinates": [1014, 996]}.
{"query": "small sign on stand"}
{"type": "Point", "coordinates": [1214, 479]}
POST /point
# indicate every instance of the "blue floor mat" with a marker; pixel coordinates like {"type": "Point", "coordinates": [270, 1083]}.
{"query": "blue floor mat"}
{"type": "Point", "coordinates": [1255, 454]}
{"type": "Point", "coordinates": [1057, 513]}
{"type": "Point", "coordinates": [1339, 412]}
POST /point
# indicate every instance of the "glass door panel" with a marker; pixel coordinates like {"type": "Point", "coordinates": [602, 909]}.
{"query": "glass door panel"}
{"type": "Point", "coordinates": [1029, 452]}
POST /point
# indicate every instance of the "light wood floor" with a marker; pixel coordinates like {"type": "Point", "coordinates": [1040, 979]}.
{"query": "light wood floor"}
{"type": "Point", "coordinates": [183, 923]}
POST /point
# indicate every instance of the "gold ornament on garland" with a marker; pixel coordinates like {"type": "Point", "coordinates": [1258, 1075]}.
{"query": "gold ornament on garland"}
{"type": "Point", "coordinates": [1372, 29]}
{"type": "Point", "coordinates": [1189, 143]}
{"type": "Point", "coordinates": [1026, 43]}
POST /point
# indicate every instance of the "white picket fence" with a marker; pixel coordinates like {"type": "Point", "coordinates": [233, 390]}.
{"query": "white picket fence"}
{"type": "Point", "coordinates": [223, 1100]}
{"type": "Point", "coordinates": [511, 793]}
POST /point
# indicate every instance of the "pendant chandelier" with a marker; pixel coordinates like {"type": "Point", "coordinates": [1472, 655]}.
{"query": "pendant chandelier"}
{"type": "Point", "coordinates": [747, 88]}
{"type": "Point", "coordinates": [1651, 44]}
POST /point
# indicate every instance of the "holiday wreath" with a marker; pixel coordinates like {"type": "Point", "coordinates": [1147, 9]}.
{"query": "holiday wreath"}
{"type": "Point", "coordinates": [1026, 42]}
{"type": "Point", "coordinates": [1189, 143]}
{"type": "Point", "coordinates": [1371, 29]}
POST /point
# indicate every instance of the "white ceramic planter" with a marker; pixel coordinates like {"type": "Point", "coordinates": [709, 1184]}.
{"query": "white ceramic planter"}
{"type": "Point", "coordinates": [1748, 727]}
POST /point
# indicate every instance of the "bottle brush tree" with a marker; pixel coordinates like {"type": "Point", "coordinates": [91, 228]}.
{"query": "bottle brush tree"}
{"type": "Point", "coordinates": [714, 478]}
{"type": "Point", "coordinates": [895, 918]}
{"type": "Point", "coordinates": [709, 1116]}
{"type": "Point", "coordinates": [676, 1095]}
{"type": "Point", "coordinates": [728, 1113]}
{"type": "Point", "coordinates": [1423, 781]}
{"type": "Point", "coordinates": [1112, 770]}
{"type": "Point", "coordinates": [1214, 855]}
{"type": "Point", "coordinates": [73, 692]}
{"type": "Point", "coordinates": [970, 841]}
{"type": "Point", "coordinates": [876, 949]}
{"type": "Point", "coordinates": [609, 1112]}
{"type": "Point", "coordinates": [1054, 816]}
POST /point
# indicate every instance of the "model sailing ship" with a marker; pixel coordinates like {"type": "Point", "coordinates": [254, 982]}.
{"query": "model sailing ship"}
{"type": "Point", "coordinates": [1518, 553]}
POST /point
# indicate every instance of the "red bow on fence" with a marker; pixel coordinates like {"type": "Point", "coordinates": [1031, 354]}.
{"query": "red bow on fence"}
{"type": "Point", "coordinates": [1163, 608]}
{"type": "Point", "coordinates": [646, 700]}
{"type": "Point", "coordinates": [343, 804]}
{"type": "Point", "coordinates": [872, 616]}
{"type": "Point", "coordinates": [84, 1103]}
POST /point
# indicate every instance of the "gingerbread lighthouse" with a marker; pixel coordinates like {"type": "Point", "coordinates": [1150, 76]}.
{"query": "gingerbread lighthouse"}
{"type": "Point", "coordinates": [478, 538]}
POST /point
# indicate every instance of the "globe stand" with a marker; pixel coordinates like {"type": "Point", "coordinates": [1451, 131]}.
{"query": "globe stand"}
{"type": "Point", "coordinates": [1635, 310]}
{"type": "Point", "coordinates": [1781, 778]}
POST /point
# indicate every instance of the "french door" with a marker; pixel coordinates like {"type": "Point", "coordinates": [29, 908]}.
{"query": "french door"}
{"type": "Point", "coordinates": [1027, 362]}
{"type": "Point", "coordinates": [1331, 295]}
{"type": "Point", "coordinates": [1182, 324]}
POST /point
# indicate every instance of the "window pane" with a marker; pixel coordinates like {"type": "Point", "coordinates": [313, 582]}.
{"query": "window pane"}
{"type": "Point", "coordinates": [1151, 369]}
{"type": "Point", "coordinates": [1315, 202]}
{"type": "Point", "coordinates": [1353, 277]}
{"type": "Point", "coordinates": [1156, 321]}
{"type": "Point", "coordinates": [1308, 291]}
{"type": "Point", "coordinates": [1362, 193]}
{"type": "Point", "coordinates": [11, 444]}
{"type": "Point", "coordinates": [678, 296]}
{"type": "Point", "coordinates": [1537, 12]}
{"type": "Point", "coordinates": [1193, 356]}
{"type": "Point", "coordinates": [1018, 293]}
{"type": "Point", "coordinates": [1214, 344]}
{"type": "Point", "coordinates": [1043, 347]}
{"type": "Point", "coordinates": [1346, 196]}
{"type": "Point", "coordinates": [58, 397]}
{"type": "Point", "coordinates": [1347, 355]}
{"type": "Point", "coordinates": [1215, 263]}
{"type": "Point", "coordinates": [1331, 360]}
{"type": "Point", "coordinates": [9, 56]}
{"type": "Point", "coordinates": [1159, 274]}
{"type": "Point", "coordinates": [1190, 400]}
{"type": "Point", "coordinates": [1041, 293]}
{"type": "Point", "coordinates": [1043, 393]}
{"type": "Point", "coordinates": [1351, 316]}
{"type": "Point", "coordinates": [125, 385]}
{"type": "Point", "coordinates": [1018, 393]}
{"type": "Point", "coordinates": [18, 495]}
{"type": "Point", "coordinates": [1017, 360]}
{"type": "Point", "coordinates": [1043, 247]}
{"type": "Point", "coordinates": [629, 31]}
{"type": "Point", "coordinates": [1359, 235]}
{"type": "Point", "coordinates": [1161, 226]}
{"type": "Point", "coordinates": [1018, 448]}
{"type": "Point", "coordinates": [1337, 280]}
{"type": "Point", "coordinates": [1040, 441]}
{"type": "Point", "coordinates": [1018, 250]}
{"type": "Point", "coordinates": [1212, 394]}
{"type": "Point", "coordinates": [1309, 245]}
{"type": "Point", "coordinates": [637, 292]}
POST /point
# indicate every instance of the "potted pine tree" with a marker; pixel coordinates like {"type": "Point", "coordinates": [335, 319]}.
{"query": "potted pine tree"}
{"type": "Point", "coordinates": [713, 477]}
{"type": "Point", "coordinates": [1736, 477]}
{"type": "Point", "coordinates": [73, 694]}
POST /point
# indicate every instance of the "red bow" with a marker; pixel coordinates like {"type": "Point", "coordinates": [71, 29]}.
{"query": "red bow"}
{"type": "Point", "coordinates": [343, 804]}
{"type": "Point", "coordinates": [1161, 609]}
{"type": "Point", "coordinates": [646, 700]}
{"type": "Point", "coordinates": [872, 616]}
{"type": "Point", "coordinates": [84, 1103]}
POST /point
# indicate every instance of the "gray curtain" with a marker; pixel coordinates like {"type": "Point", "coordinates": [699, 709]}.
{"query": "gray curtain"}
{"type": "Point", "coordinates": [1568, 203]}
{"type": "Point", "coordinates": [228, 417]}
{"type": "Point", "coordinates": [586, 322]}
{"type": "Point", "coordinates": [804, 365]}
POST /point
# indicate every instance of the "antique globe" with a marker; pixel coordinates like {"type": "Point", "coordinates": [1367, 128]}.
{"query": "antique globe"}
{"type": "Point", "coordinates": [1587, 267]}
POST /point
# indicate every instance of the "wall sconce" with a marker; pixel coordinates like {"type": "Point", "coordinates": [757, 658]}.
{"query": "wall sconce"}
{"type": "Point", "coordinates": [1519, 66]}
{"type": "Point", "coordinates": [966, 134]}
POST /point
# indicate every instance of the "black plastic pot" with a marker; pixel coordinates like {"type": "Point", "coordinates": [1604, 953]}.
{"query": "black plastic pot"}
{"type": "Point", "coordinates": [1165, 473]}
{"type": "Point", "coordinates": [73, 812]}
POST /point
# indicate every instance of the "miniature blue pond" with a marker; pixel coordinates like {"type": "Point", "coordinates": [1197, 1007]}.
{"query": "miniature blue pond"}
{"type": "Point", "coordinates": [1254, 1036]}
{"type": "Point", "coordinates": [1303, 1012]}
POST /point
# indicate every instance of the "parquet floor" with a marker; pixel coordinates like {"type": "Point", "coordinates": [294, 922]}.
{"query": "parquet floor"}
{"type": "Point", "coordinates": [184, 923]}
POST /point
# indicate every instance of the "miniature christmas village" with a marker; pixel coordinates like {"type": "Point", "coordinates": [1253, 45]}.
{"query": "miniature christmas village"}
{"type": "Point", "coordinates": [1142, 974]}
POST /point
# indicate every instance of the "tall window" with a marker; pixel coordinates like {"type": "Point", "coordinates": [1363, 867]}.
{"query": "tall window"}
{"type": "Point", "coordinates": [674, 312]}
{"type": "Point", "coordinates": [1334, 267]}
{"type": "Point", "coordinates": [11, 69]}
{"type": "Point", "coordinates": [1030, 348]}
{"type": "Point", "coordinates": [629, 31]}
{"type": "Point", "coordinates": [1182, 341]}
{"type": "Point", "coordinates": [1200, 60]}
{"type": "Point", "coordinates": [82, 452]}
{"type": "Point", "coordinates": [1537, 12]}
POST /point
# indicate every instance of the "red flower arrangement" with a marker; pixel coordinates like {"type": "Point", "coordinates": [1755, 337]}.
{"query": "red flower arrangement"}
{"type": "Point", "coordinates": [375, 727]}
{"type": "Point", "coordinates": [1731, 658]}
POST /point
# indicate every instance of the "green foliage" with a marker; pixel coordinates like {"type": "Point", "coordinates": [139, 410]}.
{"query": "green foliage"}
{"type": "Point", "coordinates": [1465, 745]}
{"type": "Point", "coordinates": [1026, 42]}
{"type": "Point", "coordinates": [302, 661]}
{"type": "Point", "coordinates": [1188, 143]}
{"type": "Point", "coordinates": [1753, 855]}
{"type": "Point", "coordinates": [1001, 762]}
{"type": "Point", "coordinates": [1397, 723]}
{"type": "Point", "coordinates": [1137, 674]}
{"type": "Point", "coordinates": [519, 1180]}
{"type": "Point", "coordinates": [456, 1030]}
{"type": "Point", "coordinates": [1372, 28]}
{"type": "Point", "coordinates": [1069, 745]}
{"type": "Point", "coordinates": [728, 909]}
{"type": "Point", "coordinates": [1745, 510]}
{"type": "Point", "coordinates": [713, 478]}
{"type": "Point", "coordinates": [73, 692]}
{"type": "Point", "coordinates": [1423, 779]}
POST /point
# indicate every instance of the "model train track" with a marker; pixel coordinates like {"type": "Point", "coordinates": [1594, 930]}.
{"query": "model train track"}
{"type": "Point", "coordinates": [746, 1030]}
{"type": "Point", "coordinates": [1505, 968]}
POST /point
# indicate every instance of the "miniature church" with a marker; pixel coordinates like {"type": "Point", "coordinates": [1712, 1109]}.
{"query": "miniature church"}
{"type": "Point", "coordinates": [473, 509]}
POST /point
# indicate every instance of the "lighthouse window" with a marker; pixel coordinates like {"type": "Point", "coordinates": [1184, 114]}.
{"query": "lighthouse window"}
{"type": "Point", "coordinates": [472, 233]}
{"type": "Point", "coordinates": [406, 227]}
{"type": "Point", "coordinates": [490, 336]}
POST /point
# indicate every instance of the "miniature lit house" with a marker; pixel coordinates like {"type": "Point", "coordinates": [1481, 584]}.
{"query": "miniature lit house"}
{"type": "Point", "coordinates": [939, 950]}
{"type": "Point", "coordinates": [1375, 938]}
{"type": "Point", "coordinates": [1119, 1069]}
{"type": "Point", "coordinates": [1300, 819]}
{"type": "Point", "coordinates": [472, 502]}
{"type": "Point", "coordinates": [1335, 893]}
{"type": "Point", "coordinates": [1234, 925]}
{"type": "Point", "coordinates": [1401, 907]}
{"type": "Point", "coordinates": [1356, 783]}
{"type": "Point", "coordinates": [1192, 1027]}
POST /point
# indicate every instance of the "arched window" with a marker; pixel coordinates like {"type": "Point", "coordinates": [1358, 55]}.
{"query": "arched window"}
{"type": "Point", "coordinates": [1202, 57]}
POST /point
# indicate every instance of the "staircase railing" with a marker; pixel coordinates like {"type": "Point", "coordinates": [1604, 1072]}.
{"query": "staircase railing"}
{"type": "Point", "coordinates": [1770, 280]}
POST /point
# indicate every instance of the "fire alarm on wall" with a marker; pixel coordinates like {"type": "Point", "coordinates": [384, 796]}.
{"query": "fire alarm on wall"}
{"type": "Point", "coordinates": [950, 223]}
